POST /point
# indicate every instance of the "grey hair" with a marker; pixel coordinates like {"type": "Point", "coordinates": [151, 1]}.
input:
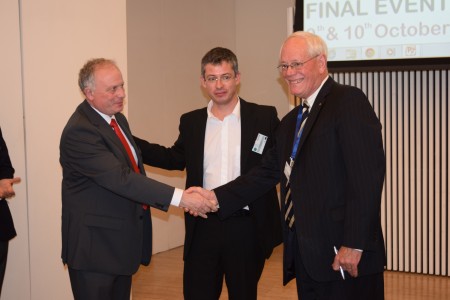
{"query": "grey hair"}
{"type": "Point", "coordinates": [86, 75]}
{"type": "Point", "coordinates": [316, 45]}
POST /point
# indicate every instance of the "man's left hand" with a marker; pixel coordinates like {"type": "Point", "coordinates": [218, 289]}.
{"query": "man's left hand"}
{"type": "Point", "coordinates": [348, 259]}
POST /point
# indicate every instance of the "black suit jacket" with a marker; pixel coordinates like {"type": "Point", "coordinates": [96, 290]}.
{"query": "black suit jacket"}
{"type": "Point", "coordinates": [104, 227]}
{"type": "Point", "coordinates": [7, 230]}
{"type": "Point", "coordinates": [336, 182]}
{"type": "Point", "coordinates": [188, 150]}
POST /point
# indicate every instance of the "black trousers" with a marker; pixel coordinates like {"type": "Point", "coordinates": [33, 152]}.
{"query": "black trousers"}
{"type": "Point", "coordinates": [369, 287]}
{"type": "Point", "coordinates": [223, 249]}
{"type": "Point", "coordinates": [99, 286]}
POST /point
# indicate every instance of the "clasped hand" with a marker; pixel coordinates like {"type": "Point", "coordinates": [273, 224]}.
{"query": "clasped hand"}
{"type": "Point", "coordinates": [198, 201]}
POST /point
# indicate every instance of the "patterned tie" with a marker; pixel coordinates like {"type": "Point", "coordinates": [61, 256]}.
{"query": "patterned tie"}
{"type": "Point", "coordinates": [119, 134]}
{"type": "Point", "coordinates": [289, 215]}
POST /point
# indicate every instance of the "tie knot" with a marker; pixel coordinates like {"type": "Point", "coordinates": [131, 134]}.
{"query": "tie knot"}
{"type": "Point", "coordinates": [305, 109]}
{"type": "Point", "coordinates": [113, 123]}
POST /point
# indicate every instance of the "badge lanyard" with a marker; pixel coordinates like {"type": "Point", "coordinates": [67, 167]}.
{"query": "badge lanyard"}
{"type": "Point", "coordinates": [298, 134]}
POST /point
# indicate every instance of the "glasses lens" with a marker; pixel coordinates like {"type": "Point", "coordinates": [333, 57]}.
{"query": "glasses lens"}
{"type": "Point", "coordinates": [224, 78]}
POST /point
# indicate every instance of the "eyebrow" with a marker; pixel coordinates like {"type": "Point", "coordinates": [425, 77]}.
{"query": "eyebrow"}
{"type": "Point", "coordinates": [211, 75]}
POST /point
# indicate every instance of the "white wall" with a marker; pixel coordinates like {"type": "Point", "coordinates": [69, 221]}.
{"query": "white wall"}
{"type": "Point", "coordinates": [12, 124]}
{"type": "Point", "coordinates": [261, 28]}
{"type": "Point", "coordinates": [57, 38]}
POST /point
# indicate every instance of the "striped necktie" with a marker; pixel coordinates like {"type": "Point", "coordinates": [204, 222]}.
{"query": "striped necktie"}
{"type": "Point", "coordinates": [289, 212]}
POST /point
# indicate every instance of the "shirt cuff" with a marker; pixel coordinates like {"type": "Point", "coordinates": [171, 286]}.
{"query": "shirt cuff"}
{"type": "Point", "coordinates": [176, 198]}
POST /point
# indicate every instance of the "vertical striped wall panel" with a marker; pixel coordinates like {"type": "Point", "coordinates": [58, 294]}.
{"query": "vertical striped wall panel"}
{"type": "Point", "coordinates": [414, 111]}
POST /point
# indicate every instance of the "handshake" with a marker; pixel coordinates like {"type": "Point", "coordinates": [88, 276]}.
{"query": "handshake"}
{"type": "Point", "coordinates": [198, 201]}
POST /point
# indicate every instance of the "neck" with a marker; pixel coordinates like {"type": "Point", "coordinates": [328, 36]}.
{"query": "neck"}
{"type": "Point", "coordinates": [220, 111]}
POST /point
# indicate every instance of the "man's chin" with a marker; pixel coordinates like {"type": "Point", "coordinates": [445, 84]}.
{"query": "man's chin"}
{"type": "Point", "coordinates": [119, 107]}
{"type": "Point", "coordinates": [294, 89]}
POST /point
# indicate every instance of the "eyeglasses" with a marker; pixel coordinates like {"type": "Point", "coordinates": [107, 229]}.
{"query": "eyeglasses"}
{"type": "Point", "coordinates": [296, 65]}
{"type": "Point", "coordinates": [224, 78]}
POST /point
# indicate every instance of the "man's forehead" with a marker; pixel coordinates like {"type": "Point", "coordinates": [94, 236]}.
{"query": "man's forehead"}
{"type": "Point", "coordinates": [220, 67]}
{"type": "Point", "coordinates": [297, 49]}
{"type": "Point", "coordinates": [106, 68]}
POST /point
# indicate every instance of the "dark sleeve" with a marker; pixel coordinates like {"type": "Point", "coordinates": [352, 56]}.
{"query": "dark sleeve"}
{"type": "Point", "coordinates": [259, 180]}
{"type": "Point", "coordinates": [7, 230]}
{"type": "Point", "coordinates": [6, 168]}
{"type": "Point", "coordinates": [89, 156]}
{"type": "Point", "coordinates": [360, 140]}
{"type": "Point", "coordinates": [155, 155]}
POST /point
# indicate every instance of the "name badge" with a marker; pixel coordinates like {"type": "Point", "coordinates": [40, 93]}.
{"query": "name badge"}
{"type": "Point", "coordinates": [260, 143]}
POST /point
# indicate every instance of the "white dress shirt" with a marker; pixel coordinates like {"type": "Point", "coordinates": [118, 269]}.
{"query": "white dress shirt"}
{"type": "Point", "coordinates": [222, 148]}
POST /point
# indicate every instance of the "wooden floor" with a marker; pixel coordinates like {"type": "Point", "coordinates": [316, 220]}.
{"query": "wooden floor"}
{"type": "Point", "coordinates": [162, 280]}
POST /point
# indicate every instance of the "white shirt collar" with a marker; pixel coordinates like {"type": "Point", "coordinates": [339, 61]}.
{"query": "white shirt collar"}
{"type": "Point", "coordinates": [311, 99]}
{"type": "Point", "coordinates": [104, 116]}
{"type": "Point", "coordinates": [236, 111]}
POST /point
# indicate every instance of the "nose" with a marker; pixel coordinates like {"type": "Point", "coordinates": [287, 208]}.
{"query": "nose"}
{"type": "Point", "coordinates": [290, 70]}
{"type": "Point", "coordinates": [219, 83]}
{"type": "Point", "coordinates": [121, 92]}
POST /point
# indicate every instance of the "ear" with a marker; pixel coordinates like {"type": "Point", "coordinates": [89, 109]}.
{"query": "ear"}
{"type": "Point", "coordinates": [238, 78]}
{"type": "Point", "coordinates": [322, 63]}
{"type": "Point", "coordinates": [202, 81]}
{"type": "Point", "coordinates": [89, 94]}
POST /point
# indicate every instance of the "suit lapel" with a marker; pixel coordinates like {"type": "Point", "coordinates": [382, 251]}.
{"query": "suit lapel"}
{"type": "Point", "coordinates": [98, 121]}
{"type": "Point", "coordinates": [247, 132]}
{"type": "Point", "coordinates": [315, 110]}
{"type": "Point", "coordinates": [197, 138]}
{"type": "Point", "coordinates": [106, 130]}
{"type": "Point", "coordinates": [124, 126]}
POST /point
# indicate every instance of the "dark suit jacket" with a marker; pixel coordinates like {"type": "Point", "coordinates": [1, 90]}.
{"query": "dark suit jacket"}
{"type": "Point", "coordinates": [7, 230]}
{"type": "Point", "coordinates": [336, 182]}
{"type": "Point", "coordinates": [188, 150]}
{"type": "Point", "coordinates": [103, 223]}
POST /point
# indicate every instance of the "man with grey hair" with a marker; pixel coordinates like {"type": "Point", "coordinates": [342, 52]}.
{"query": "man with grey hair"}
{"type": "Point", "coordinates": [330, 160]}
{"type": "Point", "coordinates": [106, 224]}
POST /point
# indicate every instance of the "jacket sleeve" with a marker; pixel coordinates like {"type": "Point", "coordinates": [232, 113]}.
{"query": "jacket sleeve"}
{"type": "Point", "coordinates": [258, 181]}
{"type": "Point", "coordinates": [6, 168]}
{"type": "Point", "coordinates": [360, 140]}
{"type": "Point", "coordinates": [155, 155]}
{"type": "Point", "coordinates": [93, 158]}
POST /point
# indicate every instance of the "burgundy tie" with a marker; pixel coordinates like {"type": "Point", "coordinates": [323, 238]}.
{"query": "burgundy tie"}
{"type": "Point", "coordinates": [119, 134]}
